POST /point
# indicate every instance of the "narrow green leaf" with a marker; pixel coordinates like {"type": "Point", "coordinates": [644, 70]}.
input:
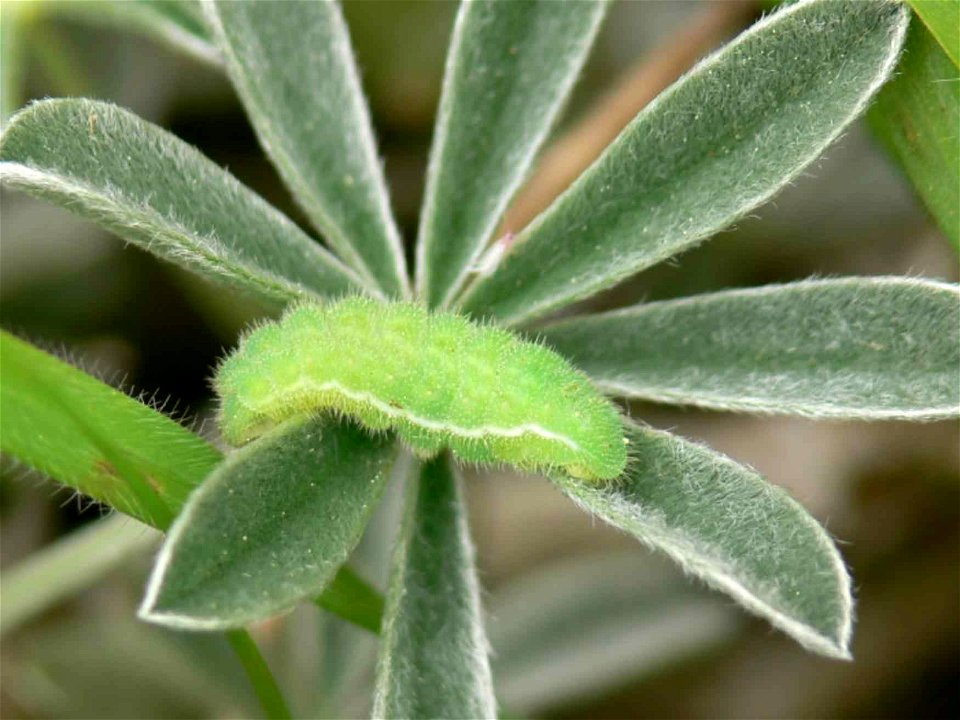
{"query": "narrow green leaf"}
{"type": "Point", "coordinates": [916, 116]}
{"type": "Point", "coordinates": [12, 57]}
{"type": "Point", "coordinates": [726, 525]}
{"type": "Point", "coordinates": [91, 437]}
{"type": "Point", "coordinates": [942, 18]}
{"type": "Point", "coordinates": [120, 452]}
{"type": "Point", "coordinates": [293, 68]}
{"type": "Point", "coordinates": [583, 626]}
{"type": "Point", "coordinates": [433, 658]}
{"type": "Point", "coordinates": [156, 191]}
{"type": "Point", "coordinates": [720, 142]}
{"type": "Point", "coordinates": [510, 67]}
{"type": "Point", "coordinates": [84, 433]}
{"type": "Point", "coordinates": [854, 348]}
{"type": "Point", "coordinates": [55, 573]}
{"type": "Point", "coordinates": [269, 527]}
{"type": "Point", "coordinates": [353, 599]}
{"type": "Point", "coordinates": [178, 23]}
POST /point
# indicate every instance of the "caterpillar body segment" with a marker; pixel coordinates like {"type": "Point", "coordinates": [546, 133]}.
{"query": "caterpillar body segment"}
{"type": "Point", "coordinates": [438, 380]}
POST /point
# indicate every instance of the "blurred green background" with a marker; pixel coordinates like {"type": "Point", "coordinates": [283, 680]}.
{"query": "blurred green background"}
{"type": "Point", "coordinates": [621, 633]}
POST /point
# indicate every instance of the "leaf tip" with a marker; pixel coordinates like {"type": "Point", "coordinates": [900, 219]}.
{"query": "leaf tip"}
{"type": "Point", "coordinates": [178, 621]}
{"type": "Point", "coordinates": [158, 610]}
{"type": "Point", "coordinates": [149, 610]}
{"type": "Point", "coordinates": [832, 641]}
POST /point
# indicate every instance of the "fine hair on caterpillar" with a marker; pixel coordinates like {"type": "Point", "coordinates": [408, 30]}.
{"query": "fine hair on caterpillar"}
{"type": "Point", "coordinates": [436, 379]}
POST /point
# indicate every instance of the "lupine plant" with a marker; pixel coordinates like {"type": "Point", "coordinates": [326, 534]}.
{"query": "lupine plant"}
{"type": "Point", "coordinates": [365, 380]}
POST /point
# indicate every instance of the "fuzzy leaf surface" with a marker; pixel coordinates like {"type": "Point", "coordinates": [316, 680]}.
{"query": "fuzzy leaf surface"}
{"type": "Point", "coordinates": [718, 143]}
{"type": "Point", "coordinates": [917, 118]}
{"type": "Point", "coordinates": [293, 68]}
{"type": "Point", "coordinates": [725, 524]}
{"type": "Point", "coordinates": [942, 18]}
{"type": "Point", "coordinates": [433, 659]}
{"type": "Point", "coordinates": [95, 439]}
{"type": "Point", "coordinates": [152, 189]}
{"type": "Point", "coordinates": [866, 348]}
{"type": "Point", "coordinates": [269, 527]}
{"type": "Point", "coordinates": [510, 67]}
{"type": "Point", "coordinates": [122, 453]}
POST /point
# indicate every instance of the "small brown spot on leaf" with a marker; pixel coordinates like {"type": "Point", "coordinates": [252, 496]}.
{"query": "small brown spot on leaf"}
{"type": "Point", "coordinates": [104, 467]}
{"type": "Point", "coordinates": [155, 484]}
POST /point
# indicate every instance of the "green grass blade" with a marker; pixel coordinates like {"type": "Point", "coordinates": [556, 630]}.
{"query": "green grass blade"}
{"type": "Point", "coordinates": [433, 659]}
{"type": "Point", "coordinates": [707, 151]}
{"type": "Point", "coordinates": [293, 68]}
{"type": "Point", "coordinates": [95, 439]}
{"type": "Point", "coordinates": [67, 566]}
{"type": "Point", "coordinates": [154, 190]}
{"type": "Point", "coordinates": [120, 452]}
{"type": "Point", "coordinates": [916, 117]}
{"type": "Point", "coordinates": [942, 18]}
{"type": "Point", "coordinates": [725, 524]}
{"type": "Point", "coordinates": [510, 67]}
{"type": "Point", "coordinates": [869, 348]}
{"type": "Point", "coordinates": [270, 527]}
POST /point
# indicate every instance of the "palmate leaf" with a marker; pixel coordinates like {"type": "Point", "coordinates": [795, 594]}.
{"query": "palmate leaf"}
{"type": "Point", "coordinates": [154, 190]}
{"type": "Point", "coordinates": [433, 659]}
{"type": "Point", "coordinates": [295, 73]}
{"type": "Point", "coordinates": [720, 142]}
{"type": "Point", "coordinates": [853, 348]}
{"type": "Point", "coordinates": [270, 527]}
{"type": "Point", "coordinates": [120, 452]}
{"type": "Point", "coordinates": [726, 525]}
{"type": "Point", "coordinates": [916, 117]}
{"type": "Point", "coordinates": [510, 67]}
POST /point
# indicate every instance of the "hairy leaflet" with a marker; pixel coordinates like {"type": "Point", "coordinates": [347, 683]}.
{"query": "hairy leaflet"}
{"type": "Point", "coordinates": [437, 379]}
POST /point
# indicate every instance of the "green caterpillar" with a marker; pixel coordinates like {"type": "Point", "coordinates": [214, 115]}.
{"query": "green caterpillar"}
{"type": "Point", "coordinates": [438, 380]}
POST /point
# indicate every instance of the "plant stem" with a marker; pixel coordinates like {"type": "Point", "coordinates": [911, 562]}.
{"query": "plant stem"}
{"type": "Point", "coordinates": [264, 684]}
